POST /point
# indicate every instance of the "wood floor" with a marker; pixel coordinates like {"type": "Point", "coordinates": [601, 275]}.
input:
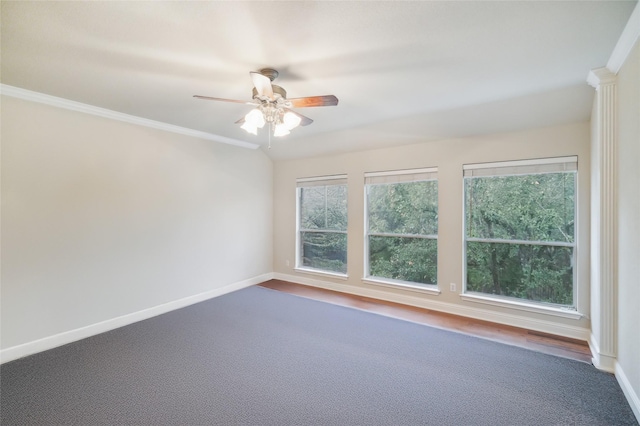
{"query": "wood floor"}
{"type": "Point", "coordinates": [550, 344]}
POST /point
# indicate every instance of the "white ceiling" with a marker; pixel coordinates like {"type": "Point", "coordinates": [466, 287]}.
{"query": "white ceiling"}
{"type": "Point", "coordinates": [404, 72]}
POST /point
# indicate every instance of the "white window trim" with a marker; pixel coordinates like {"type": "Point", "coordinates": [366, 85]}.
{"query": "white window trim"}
{"type": "Point", "coordinates": [522, 167]}
{"type": "Point", "coordinates": [522, 242]}
{"type": "Point", "coordinates": [522, 163]}
{"type": "Point", "coordinates": [321, 181]}
{"type": "Point", "coordinates": [406, 285]}
{"type": "Point", "coordinates": [432, 172]}
{"type": "Point", "coordinates": [322, 231]}
{"type": "Point", "coordinates": [523, 305]}
{"type": "Point", "coordinates": [320, 272]}
{"type": "Point", "coordinates": [402, 172]}
{"type": "Point", "coordinates": [573, 312]}
{"type": "Point", "coordinates": [393, 235]}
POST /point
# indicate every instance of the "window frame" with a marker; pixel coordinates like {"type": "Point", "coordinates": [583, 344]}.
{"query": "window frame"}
{"type": "Point", "coordinates": [544, 166]}
{"type": "Point", "coordinates": [318, 181]}
{"type": "Point", "coordinates": [401, 175]}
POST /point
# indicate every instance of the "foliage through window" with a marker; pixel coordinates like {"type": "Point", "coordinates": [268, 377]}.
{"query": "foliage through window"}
{"type": "Point", "coordinates": [322, 224]}
{"type": "Point", "coordinates": [402, 226]}
{"type": "Point", "coordinates": [520, 229]}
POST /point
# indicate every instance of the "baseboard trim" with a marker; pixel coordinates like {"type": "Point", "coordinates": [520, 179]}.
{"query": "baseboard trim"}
{"type": "Point", "coordinates": [50, 342]}
{"type": "Point", "coordinates": [461, 310]}
{"type": "Point", "coordinates": [627, 389]}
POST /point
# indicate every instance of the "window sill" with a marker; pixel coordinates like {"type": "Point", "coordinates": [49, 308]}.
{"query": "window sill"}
{"type": "Point", "coordinates": [522, 306]}
{"type": "Point", "coordinates": [322, 273]}
{"type": "Point", "coordinates": [425, 288]}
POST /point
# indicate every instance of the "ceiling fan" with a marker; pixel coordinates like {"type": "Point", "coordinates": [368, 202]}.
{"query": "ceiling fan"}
{"type": "Point", "coordinates": [273, 107]}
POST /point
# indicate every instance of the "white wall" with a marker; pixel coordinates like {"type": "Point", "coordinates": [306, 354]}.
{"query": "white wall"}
{"type": "Point", "coordinates": [102, 219]}
{"type": "Point", "coordinates": [629, 223]}
{"type": "Point", "coordinates": [448, 156]}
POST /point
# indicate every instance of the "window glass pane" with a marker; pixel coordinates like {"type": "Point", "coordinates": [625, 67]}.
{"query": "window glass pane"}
{"type": "Point", "coordinates": [527, 207]}
{"type": "Point", "coordinates": [337, 207]}
{"type": "Point", "coordinates": [324, 207]}
{"type": "Point", "coordinates": [533, 272]}
{"type": "Point", "coordinates": [324, 250]}
{"type": "Point", "coordinates": [403, 258]}
{"type": "Point", "coordinates": [404, 208]}
{"type": "Point", "coordinates": [312, 207]}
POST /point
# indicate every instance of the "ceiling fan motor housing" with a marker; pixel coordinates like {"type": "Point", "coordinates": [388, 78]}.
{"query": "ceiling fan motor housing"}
{"type": "Point", "coordinates": [270, 73]}
{"type": "Point", "coordinates": [277, 90]}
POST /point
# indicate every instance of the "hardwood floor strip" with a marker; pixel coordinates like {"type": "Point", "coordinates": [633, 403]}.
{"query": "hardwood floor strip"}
{"type": "Point", "coordinates": [541, 342]}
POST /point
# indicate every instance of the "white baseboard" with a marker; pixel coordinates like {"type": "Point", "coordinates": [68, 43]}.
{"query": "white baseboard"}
{"type": "Point", "coordinates": [629, 392]}
{"type": "Point", "coordinates": [550, 327]}
{"type": "Point", "coordinates": [50, 342]}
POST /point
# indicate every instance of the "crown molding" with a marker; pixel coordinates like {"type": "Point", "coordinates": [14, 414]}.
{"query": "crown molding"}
{"type": "Point", "coordinates": [17, 92]}
{"type": "Point", "coordinates": [627, 40]}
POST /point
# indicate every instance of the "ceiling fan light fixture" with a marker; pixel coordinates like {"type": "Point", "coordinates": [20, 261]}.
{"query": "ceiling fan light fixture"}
{"type": "Point", "coordinates": [255, 118]}
{"type": "Point", "coordinates": [280, 130]}
{"type": "Point", "coordinates": [249, 127]}
{"type": "Point", "coordinates": [291, 120]}
{"type": "Point", "coordinates": [272, 106]}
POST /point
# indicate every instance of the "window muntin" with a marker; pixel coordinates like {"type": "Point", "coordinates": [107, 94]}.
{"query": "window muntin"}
{"type": "Point", "coordinates": [402, 226]}
{"type": "Point", "coordinates": [322, 224]}
{"type": "Point", "coordinates": [520, 230]}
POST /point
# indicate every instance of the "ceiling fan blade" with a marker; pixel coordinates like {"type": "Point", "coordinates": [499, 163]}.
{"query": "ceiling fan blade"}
{"type": "Point", "coordinates": [313, 101]}
{"type": "Point", "coordinates": [305, 120]}
{"type": "Point", "coordinates": [262, 84]}
{"type": "Point", "coordinates": [209, 98]}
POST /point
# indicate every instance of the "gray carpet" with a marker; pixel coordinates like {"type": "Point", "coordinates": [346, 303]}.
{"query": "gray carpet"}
{"type": "Point", "coordinates": [261, 357]}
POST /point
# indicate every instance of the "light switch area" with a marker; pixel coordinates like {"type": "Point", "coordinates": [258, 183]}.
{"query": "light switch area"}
{"type": "Point", "coordinates": [452, 286]}
{"type": "Point", "coordinates": [287, 262]}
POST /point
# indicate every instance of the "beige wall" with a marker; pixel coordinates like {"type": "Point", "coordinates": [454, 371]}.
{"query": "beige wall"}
{"type": "Point", "coordinates": [448, 156]}
{"type": "Point", "coordinates": [102, 218]}
{"type": "Point", "coordinates": [629, 221]}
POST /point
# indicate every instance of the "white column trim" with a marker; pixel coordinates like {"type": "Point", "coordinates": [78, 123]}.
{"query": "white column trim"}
{"type": "Point", "coordinates": [600, 77]}
{"type": "Point", "coordinates": [604, 244]}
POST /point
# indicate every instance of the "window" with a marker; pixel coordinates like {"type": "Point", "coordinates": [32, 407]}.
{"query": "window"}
{"type": "Point", "coordinates": [402, 226]}
{"type": "Point", "coordinates": [520, 230]}
{"type": "Point", "coordinates": [322, 224]}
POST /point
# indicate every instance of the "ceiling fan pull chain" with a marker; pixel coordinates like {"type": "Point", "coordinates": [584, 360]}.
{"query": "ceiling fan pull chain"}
{"type": "Point", "coordinates": [270, 131]}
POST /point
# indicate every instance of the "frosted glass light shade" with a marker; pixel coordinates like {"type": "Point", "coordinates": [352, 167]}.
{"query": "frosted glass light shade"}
{"type": "Point", "coordinates": [250, 128]}
{"type": "Point", "coordinates": [255, 118]}
{"type": "Point", "coordinates": [281, 130]}
{"type": "Point", "coordinates": [291, 120]}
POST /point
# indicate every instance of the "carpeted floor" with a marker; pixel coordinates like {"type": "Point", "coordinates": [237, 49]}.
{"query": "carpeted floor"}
{"type": "Point", "coordinates": [262, 357]}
